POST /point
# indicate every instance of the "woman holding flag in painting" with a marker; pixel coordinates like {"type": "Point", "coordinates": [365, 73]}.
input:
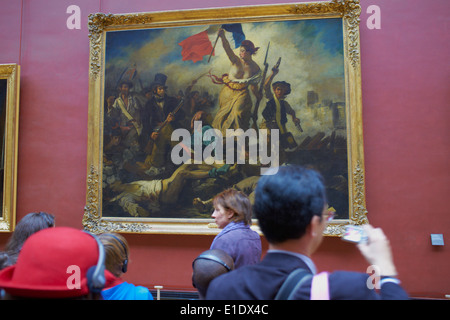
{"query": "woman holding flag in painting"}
{"type": "Point", "coordinates": [235, 103]}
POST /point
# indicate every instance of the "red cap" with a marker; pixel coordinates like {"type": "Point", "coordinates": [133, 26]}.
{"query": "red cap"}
{"type": "Point", "coordinates": [53, 264]}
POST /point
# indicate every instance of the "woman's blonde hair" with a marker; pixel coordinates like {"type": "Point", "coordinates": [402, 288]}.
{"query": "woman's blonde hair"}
{"type": "Point", "coordinates": [116, 252]}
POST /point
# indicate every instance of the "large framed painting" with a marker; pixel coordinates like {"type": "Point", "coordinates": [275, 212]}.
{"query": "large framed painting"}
{"type": "Point", "coordinates": [185, 104]}
{"type": "Point", "coordinates": [9, 128]}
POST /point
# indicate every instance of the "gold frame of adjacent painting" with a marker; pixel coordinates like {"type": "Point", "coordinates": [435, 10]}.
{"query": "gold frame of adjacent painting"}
{"type": "Point", "coordinates": [10, 123]}
{"type": "Point", "coordinates": [347, 11]}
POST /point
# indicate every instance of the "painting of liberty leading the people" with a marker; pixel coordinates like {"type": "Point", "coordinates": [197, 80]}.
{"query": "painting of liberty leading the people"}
{"type": "Point", "coordinates": [280, 81]}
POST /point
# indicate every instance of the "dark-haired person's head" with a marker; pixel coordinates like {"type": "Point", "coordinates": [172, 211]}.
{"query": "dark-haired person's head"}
{"type": "Point", "coordinates": [28, 225]}
{"type": "Point", "coordinates": [286, 202]}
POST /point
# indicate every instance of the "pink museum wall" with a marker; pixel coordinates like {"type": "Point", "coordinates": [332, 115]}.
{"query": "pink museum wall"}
{"type": "Point", "coordinates": [405, 83]}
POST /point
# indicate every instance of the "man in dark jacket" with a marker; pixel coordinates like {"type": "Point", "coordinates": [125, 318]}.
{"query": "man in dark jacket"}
{"type": "Point", "coordinates": [291, 208]}
{"type": "Point", "coordinates": [159, 119]}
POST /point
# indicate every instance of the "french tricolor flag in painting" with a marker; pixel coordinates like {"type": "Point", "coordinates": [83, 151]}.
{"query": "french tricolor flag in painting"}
{"type": "Point", "coordinates": [199, 45]}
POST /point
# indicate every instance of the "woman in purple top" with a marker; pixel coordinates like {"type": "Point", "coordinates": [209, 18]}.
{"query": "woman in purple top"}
{"type": "Point", "coordinates": [233, 214]}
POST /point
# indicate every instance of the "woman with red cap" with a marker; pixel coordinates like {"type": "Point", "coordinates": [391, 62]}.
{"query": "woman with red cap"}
{"type": "Point", "coordinates": [57, 263]}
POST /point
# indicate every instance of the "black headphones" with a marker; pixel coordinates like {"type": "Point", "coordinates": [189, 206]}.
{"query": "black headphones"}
{"type": "Point", "coordinates": [207, 256]}
{"type": "Point", "coordinates": [125, 262]}
{"type": "Point", "coordinates": [96, 274]}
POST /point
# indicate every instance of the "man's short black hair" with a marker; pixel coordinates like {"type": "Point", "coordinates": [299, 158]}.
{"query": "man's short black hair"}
{"type": "Point", "coordinates": [286, 202]}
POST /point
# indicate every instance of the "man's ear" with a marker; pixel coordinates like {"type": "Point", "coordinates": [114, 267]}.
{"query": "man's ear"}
{"type": "Point", "coordinates": [315, 227]}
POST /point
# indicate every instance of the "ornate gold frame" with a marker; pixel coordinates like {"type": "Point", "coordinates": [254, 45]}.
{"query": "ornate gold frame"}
{"type": "Point", "coordinates": [100, 23]}
{"type": "Point", "coordinates": [10, 73]}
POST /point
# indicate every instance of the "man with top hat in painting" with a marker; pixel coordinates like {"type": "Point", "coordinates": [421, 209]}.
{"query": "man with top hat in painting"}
{"type": "Point", "coordinates": [160, 116]}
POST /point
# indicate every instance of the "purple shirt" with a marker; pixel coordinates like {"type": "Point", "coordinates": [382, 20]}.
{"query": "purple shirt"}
{"type": "Point", "coordinates": [240, 242]}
